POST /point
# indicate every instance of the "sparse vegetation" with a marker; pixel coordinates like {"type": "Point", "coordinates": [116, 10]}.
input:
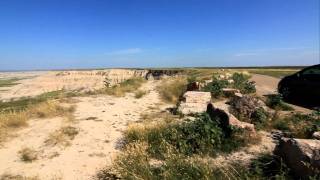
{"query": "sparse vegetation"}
{"type": "Point", "coordinates": [23, 103]}
{"type": "Point", "coordinates": [17, 119]}
{"type": "Point", "coordinates": [8, 176]}
{"type": "Point", "coordinates": [139, 94]}
{"type": "Point", "coordinates": [171, 90]}
{"type": "Point", "coordinates": [297, 125]}
{"type": "Point", "coordinates": [62, 137]}
{"type": "Point", "coordinates": [127, 86]}
{"type": "Point", "coordinates": [9, 82]}
{"type": "Point", "coordinates": [276, 102]}
{"type": "Point", "coordinates": [28, 154]}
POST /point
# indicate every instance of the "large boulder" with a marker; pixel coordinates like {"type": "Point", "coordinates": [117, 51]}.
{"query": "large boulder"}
{"type": "Point", "coordinates": [245, 105]}
{"type": "Point", "coordinates": [301, 155]}
{"type": "Point", "coordinates": [194, 102]}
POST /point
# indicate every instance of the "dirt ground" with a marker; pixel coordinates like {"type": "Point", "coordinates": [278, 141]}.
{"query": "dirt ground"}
{"type": "Point", "coordinates": [100, 121]}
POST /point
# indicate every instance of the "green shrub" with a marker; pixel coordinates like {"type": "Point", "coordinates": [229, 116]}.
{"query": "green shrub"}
{"type": "Point", "coordinates": [276, 102]}
{"type": "Point", "coordinates": [199, 136]}
{"type": "Point", "coordinates": [241, 82]}
{"type": "Point", "coordinates": [259, 118]}
{"type": "Point", "coordinates": [216, 86]}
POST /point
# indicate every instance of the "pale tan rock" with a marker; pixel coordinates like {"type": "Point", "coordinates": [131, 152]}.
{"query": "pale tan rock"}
{"type": "Point", "coordinates": [316, 135]}
{"type": "Point", "coordinates": [195, 102]}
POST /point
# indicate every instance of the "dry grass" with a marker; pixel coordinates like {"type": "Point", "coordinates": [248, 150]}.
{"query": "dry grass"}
{"type": "Point", "coordinates": [28, 154]}
{"type": "Point", "coordinates": [139, 94]}
{"type": "Point", "coordinates": [130, 85]}
{"type": "Point", "coordinates": [9, 121]}
{"type": "Point", "coordinates": [62, 137]}
{"type": "Point", "coordinates": [7, 176]}
{"type": "Point", "coordinates": [172, 89]}
{"type": "Point", "coordinates": [49, 109]}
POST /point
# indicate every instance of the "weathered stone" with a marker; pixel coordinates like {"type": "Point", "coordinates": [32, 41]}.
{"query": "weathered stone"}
{"type": "Point", "coordinates": [245, 105]}
{"type": "Point", "coordinates": [230, 91]}
{"type": "Point", "coordinates": [238, 95]}
{"type": "Point", "coordinates": [316, 135]}
{"type": "Point", "coordinates": [301, 155]}
{"type": "Point", "coordinates": [194, 102]}
{"type": "Point", "coordinates": [197, 97]}
{"type": "Point", "coordinates": [233, 121]}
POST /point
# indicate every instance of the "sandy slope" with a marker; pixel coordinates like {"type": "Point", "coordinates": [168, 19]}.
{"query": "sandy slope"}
{"type": "Point", "coordinates": [92, 148]}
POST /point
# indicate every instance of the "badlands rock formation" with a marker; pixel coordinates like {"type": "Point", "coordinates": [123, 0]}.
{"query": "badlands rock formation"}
{"type": "Point", "coordinates": [74, 80]}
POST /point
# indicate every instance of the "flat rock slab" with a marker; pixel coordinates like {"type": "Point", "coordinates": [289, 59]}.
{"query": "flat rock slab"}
{"type": "Point", "coordinates": [195, 102]}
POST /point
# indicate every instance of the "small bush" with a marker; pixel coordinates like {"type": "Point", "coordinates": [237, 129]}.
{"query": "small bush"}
{"type": "Point", "coordinates": [171, 90]}
{"type": "Point", "coordinates": [276, 102]}
{"type": "Point", "coordinates": [241, 82]}
{"type": "Point", "coordinates": [215, 87]}
{"type": "Point", "coordinates": [259, 118]}
{"type": "Point", "coordinates": [139, 94]}
{"type": "Point", "coordinates": [28, 154]}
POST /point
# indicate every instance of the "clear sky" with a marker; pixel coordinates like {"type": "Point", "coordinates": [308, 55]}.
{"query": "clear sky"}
{"type": "Point", "coordinates": [54, 34]}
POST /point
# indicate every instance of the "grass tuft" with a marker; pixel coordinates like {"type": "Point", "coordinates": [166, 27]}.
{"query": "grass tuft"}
{"type": "Point", "coordinates": [62, 136]}
{"type": "Point", "coordinates": [28, 154]}
{"type": "Point", "coordinates": [139, 94]}
{"type": "Point", "coordinates": [172, 89]}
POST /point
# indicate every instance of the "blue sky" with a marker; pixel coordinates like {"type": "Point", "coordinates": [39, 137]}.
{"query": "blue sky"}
{"type": "Point", "coordinates": [54, 34]}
